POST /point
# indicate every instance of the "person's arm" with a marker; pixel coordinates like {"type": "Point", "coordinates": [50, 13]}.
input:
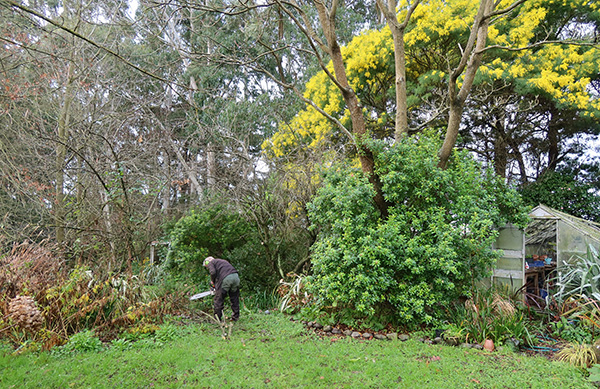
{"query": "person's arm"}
{"type": "Point", "coordinates": [213, 274]}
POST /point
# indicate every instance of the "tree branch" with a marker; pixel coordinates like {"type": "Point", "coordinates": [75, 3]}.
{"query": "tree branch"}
{"type": "Point", "coordinates": [90, 41]}
{"type": "Point", "coordinates": [537, 44]}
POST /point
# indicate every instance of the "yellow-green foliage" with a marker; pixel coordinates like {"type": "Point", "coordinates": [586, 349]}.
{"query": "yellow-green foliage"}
{"type": "Point", "coordinates": [562, 72]}
{"type": "Point", "coordinates": [438, 19]}
{"type": "Point", "coordinates": [580, 355]}
{"type": "Point", "coordinates": [433, 39]}
{"type": "Point", "coordinates": [369, 65]}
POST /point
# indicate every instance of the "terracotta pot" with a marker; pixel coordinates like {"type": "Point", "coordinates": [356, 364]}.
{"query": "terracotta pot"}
{"type": "Point", "coordinates": [488, 345]}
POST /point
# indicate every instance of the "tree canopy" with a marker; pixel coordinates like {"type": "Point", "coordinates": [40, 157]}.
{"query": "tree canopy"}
{"type": "Point", "coordinates": [117, 122]}
{"type": "Point", "coordinates": [535, 65]}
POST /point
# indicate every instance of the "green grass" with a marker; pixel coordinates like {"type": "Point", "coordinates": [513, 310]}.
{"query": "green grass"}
{"type": "Point", "coordinates": [271, 351]}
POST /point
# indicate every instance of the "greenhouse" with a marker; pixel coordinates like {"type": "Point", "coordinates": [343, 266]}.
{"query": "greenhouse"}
{"type": "Point", "coordinates": [532, 257]}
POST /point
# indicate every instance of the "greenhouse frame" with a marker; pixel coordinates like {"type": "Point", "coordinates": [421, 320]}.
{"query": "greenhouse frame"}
{"type": "Point", "coordinates": [531, 258]}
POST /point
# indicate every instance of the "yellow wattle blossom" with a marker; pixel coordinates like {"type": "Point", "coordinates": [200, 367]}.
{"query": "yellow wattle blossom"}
{"type": "Point", "coordinates": [436, 31]}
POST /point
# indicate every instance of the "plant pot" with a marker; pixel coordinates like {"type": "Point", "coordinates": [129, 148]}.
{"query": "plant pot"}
{"type": "Point", "coordinates": [488, 345]}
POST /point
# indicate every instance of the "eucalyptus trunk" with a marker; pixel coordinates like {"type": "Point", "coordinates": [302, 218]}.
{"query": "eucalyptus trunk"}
{"type": "Point", "coordinates": [61, 153]}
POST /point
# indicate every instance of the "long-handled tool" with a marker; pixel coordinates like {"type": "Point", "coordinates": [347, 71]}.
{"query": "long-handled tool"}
{"type": "Point", "coordinates": [203, 294]}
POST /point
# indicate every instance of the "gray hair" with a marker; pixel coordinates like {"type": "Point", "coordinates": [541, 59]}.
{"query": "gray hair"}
{"type": "Point", "coordinates": [207, 261]}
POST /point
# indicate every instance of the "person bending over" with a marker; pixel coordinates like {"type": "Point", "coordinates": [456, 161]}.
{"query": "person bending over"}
{"type": "Point", "coordinates": [226, 281]}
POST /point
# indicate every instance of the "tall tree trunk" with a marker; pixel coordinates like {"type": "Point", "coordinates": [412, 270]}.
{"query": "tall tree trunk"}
{"type": "Point", "coordinates": [470, 60]}
{"type": "Point", "coordinates": [520, 161]}
{"type": "Point", "coordinates": [61, 153]}
{"type": "Point", "coordinates": [106, 215]}
{"type": "Point", "coordinates": [500, 146]}
{"type": "Point", "coordinates": [166, 191]}
{"type": "Point", "coordinates": [211, 166]}
{"type": "Point", "coordinates": [553, 139]}
{"type": "Point", "coordinates": [390, 14]}
{"type": "Point", "coordinates": [500, 154]}
{"type": "Point", "coordinates": [327, 19]}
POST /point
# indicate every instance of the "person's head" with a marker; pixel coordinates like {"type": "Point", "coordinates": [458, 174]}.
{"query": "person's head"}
{"type": "Point", "coordinates": [207, 261]}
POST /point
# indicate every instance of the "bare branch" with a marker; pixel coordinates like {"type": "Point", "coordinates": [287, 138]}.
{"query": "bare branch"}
{"type": "Point", "coordinates": [504, 11]}
{"type": "Point", "coordinates": [306, 100]}
{"type": "Point", "coordinates": [88, 40]}
{"type": "Point", "coordinates": [538, 44]}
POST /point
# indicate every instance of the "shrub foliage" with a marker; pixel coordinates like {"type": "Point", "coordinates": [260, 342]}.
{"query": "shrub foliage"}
{"type": "Point", "coordinates": [436, 241]}
{"type": "Point", "coordinates": [213, 230]}
{"type": "Point", "coordinates": [262, 243]}
{"type": "Point", "coordinates": [43, 302]}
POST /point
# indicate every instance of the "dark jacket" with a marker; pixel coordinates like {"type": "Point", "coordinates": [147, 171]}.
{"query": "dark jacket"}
{"type": "Point", "coordinates": [219, 269]}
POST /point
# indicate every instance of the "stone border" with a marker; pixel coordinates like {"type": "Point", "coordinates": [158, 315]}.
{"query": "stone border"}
{"type": "Point", "coordinates": [330, 330]}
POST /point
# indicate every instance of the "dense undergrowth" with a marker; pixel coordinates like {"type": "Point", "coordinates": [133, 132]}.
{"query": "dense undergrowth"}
{"type": "Point", "coordinates": [48, 308]}
{"type": "Point", "coordinates": [44, 302]}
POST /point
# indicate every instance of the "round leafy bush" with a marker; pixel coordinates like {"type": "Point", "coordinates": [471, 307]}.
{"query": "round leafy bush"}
{"type": "Point", "coordinates": [223, 232]}
{"type": "Point", "coordinates": [435, 243]}
{"type": "Point", "coordinates": [213, 230]}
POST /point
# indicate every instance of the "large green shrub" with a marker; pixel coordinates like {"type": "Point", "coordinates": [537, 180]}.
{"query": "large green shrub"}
{"type": "Point", "coordinates": [435, 243]}
{"type": "Point", "coordinates": [213, 230]}
{"type": "Point", "coordinates": [222, 232]}
{"type": "Point", "coordinates": [566, 191]}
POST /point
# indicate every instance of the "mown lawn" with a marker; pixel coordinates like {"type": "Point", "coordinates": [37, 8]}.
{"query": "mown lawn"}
{"type": "Point", "coordinates": [271, 351]}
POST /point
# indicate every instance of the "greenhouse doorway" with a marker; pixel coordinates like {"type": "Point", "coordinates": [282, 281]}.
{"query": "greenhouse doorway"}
{"type": "Point", "coordinates": [532, 258]}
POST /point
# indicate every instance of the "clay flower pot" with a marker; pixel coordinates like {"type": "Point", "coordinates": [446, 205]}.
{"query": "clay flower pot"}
{"type": "Point", "coordinates": [488, 345]}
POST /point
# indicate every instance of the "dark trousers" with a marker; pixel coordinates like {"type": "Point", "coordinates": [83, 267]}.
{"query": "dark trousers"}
{"type": "Point", "coordinates": [229, 287]}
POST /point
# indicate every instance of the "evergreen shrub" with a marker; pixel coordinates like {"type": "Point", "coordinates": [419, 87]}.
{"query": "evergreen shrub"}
{"type": "Point", "coordinates": [435, 243]}
{"type": "Point", "coordinates": [221, 232]}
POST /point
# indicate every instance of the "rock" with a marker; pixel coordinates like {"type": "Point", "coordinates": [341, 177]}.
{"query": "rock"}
{"type": "Point", "coordinates": [512, 344]}
{"type": "Point", "coordinates": [310, 324]}
{"type": "Point", "coordinates": [427, 341]}
{"type": "Point", "coordinates": [478, 347]}
{"type": "Point", "coordinates": [596, 348]}
{"type": "Point", "coordinates": [488, 345]}
{"type": "Point", "coordinates": [317, 325]}
{"type": "Point", "coordinates": [347, 332]}
{"type": "Point", "coordinates": [392, 336]}
{"type": "Point", "coordinates": [380, 337]}
{"type": "Point", "coordinates": [355, 334]}
{"type": "Point", "coordinates": [336, 331]}
{"type": "Point", "coordinates": [367, 335]}
{"type": "Point", "coordinates": [403, 337]}
{"type": "Point", "coordinates": [267, 312]}
{"type": "Point", "coordinates": [437, 340]}
{"type": "Point", "coordinates": [452, 341]}
{"type": "Point", "coordinates": [466, 345]}
{"type": "Point", "coordinates": [327, 328]}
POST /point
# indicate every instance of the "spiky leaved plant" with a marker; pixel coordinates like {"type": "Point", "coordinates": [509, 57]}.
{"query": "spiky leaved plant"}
{"type": "Point", "coordinates": [580, 355]}
{"type": "Point", "coordinates": [581, 277]}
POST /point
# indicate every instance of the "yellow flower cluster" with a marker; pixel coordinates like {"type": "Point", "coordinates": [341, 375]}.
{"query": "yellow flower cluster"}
{"type": "Point", "coordinates": [366, 53]}
{"type": "Point", "coordinates": [439, 18]}
{"type": "Point", "coordinates": [368, 57]}
{"type": "Point", "coordinates": [557, 70]}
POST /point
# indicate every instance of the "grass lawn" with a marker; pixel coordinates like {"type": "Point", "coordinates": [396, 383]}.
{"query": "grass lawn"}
{"type": "Point", "coordinates": [271, 351]}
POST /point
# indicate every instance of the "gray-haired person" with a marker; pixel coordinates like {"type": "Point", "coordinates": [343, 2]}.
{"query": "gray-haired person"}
{"type": "Point", "coordinates": [224, 278]}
